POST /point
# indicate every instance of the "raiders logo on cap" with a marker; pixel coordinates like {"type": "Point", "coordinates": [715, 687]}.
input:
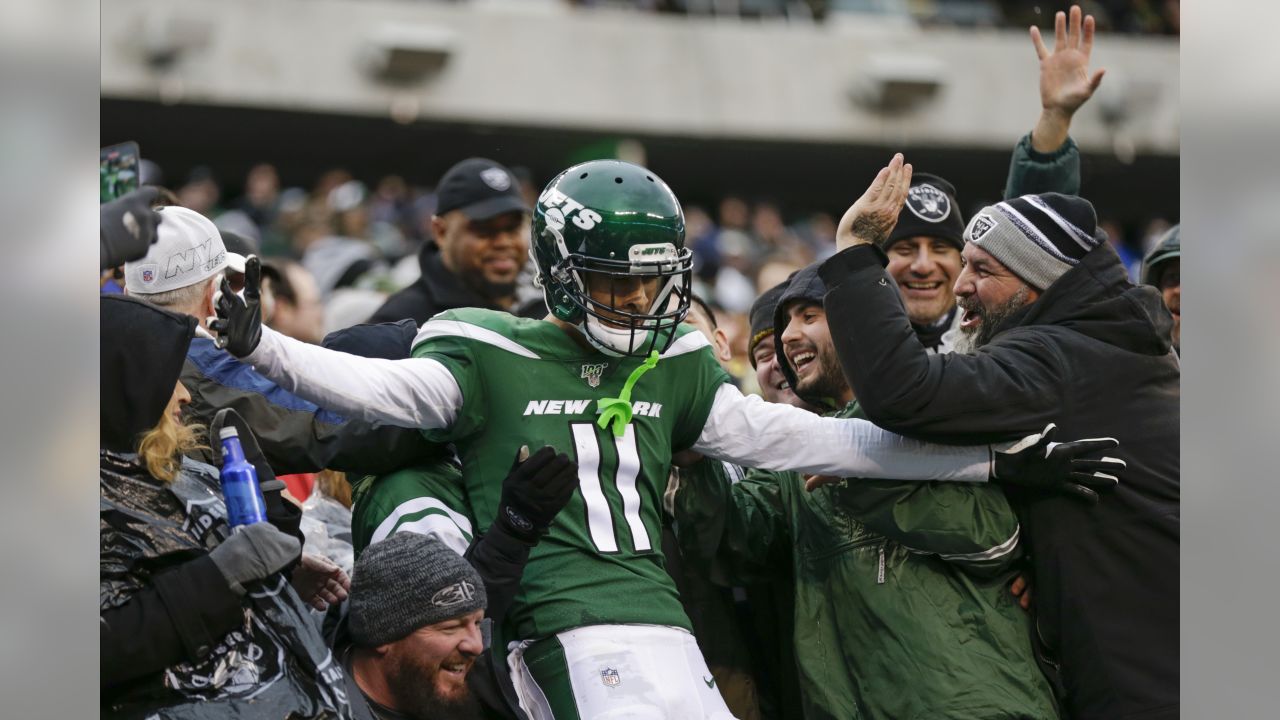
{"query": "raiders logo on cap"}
{"type": "Point", "coordinates": [980, 226]}
{"type": "Point", "coordinates": [928, 203]}
{"type": "Point", "coordinates": [496, 178]}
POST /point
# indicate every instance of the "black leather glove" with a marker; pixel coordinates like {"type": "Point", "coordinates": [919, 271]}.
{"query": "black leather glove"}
{"type": "Point", "coordinates": [127, 227]}
{"type": "Point", "coordinates": [1038, 464]}
{"type": "Point", "coordinates": [239, 322]}
{"type": "Point", "coordinates": [535, 490]}
{"type": "Point", "coordinates": [254, 552]}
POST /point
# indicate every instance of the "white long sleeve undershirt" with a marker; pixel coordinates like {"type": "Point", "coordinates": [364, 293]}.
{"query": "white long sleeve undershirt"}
{"type": "Point", "coordinates": [412, 393]}
{"type": "Point", "coordinates": [746, 430]}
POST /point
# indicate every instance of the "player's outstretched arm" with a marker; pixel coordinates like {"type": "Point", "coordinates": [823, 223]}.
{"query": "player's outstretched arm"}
{"type": "Point", "coordinates": [415, 392]}
{"type": "Point", "coordinates": [751, 432]}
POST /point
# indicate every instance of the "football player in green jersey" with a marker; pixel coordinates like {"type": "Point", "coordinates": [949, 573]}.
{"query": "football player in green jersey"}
{"type": "Point", "coordinates": [613, 374]}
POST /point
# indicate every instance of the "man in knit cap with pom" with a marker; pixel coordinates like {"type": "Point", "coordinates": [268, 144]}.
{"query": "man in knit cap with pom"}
{"type": "Point", "coordinates": [414, 623]}
{"type": "Point", "coordinates": [1052, 331]}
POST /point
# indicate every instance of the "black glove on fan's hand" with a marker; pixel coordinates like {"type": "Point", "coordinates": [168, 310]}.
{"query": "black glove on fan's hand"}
{"type": "Point", "coordinates": [127, 227]}
{"type": "Point", "coordinates": [1038, 464]}
{"type": "Point", "coordinates": [252, 452]}
{"type": "Point", "coordinates": [536, 490]}
{"type": "Point", "coordinates": [254, 552]}
{"type": "Point", "coordinates": [239, 322]}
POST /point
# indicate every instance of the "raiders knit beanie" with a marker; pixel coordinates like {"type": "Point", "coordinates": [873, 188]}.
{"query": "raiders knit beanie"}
{"type": "Point", "coordinates": [762, 317]}
{"type": "Point", "coordinates": [1038, 237]}
{"type": "Point", "coordinates": [406, 582]}
{"type": "Point", "coordinates": [931, 210]}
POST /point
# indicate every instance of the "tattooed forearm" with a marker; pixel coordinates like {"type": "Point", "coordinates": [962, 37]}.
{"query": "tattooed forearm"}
{"type": "Point", "coordinates": [871, 228]}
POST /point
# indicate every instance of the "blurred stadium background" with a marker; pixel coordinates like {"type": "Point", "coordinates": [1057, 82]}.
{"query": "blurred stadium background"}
{"type": "Point", "coordinates": [767, 117]}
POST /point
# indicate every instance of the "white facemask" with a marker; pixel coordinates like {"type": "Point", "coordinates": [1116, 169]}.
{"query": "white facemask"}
{"type": "Point", "coordinates": [610, 340]}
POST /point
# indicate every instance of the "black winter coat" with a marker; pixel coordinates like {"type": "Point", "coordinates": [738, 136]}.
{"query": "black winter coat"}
{"type": "Point", "coordinates": [435, 291]}
{"type": "Point", "coordinates": [1092, 354]}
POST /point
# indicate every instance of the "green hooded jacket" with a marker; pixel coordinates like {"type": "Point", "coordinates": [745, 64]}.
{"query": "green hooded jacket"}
{"type": "Point", "coordinates": [902, 601]}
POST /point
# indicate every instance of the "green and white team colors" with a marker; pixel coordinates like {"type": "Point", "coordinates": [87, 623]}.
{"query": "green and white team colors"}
{"type": "Point", "coordinates": [619, 671]}
{"type": "Point", "coordinates": [526, 382]}
{"type": "Point", "coordinates": [490, 382]}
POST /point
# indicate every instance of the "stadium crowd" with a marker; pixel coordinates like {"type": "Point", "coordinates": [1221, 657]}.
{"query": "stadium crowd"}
{"type": "Point", "coordinates": [917, 461]}
{"type": "Point", "coordinates": [346, 247]}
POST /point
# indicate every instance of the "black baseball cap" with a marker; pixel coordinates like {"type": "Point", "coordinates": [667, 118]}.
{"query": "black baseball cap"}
{"type": "Point", "coordinates": [480, 188]}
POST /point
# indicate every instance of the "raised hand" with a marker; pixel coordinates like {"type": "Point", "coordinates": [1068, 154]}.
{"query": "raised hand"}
{"type": "Point", "coordinates": [872, 217]}
{"type": "Point", "coordinates": [1066, 82]}
{"type": "Point", "coordinates": [239, 322]}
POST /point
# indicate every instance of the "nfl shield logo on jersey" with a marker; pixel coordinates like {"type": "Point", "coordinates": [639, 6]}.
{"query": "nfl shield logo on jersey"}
{"type": "Point", "coordinates": [610, 678]}
{"type": "Point", "coordinates": [592, 373]}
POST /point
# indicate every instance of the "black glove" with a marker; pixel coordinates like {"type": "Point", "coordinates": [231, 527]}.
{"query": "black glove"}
{"type": "Point", "coordinates": [535, 490]}
{"type": "Point", "coordinates": [252, 452]}
{"type": "Point", "coordinates": [127, 227]}
{"type": "Point", "coordinates": [239, 322]}
{"type": "Point", "coordinates": [1038, 464]}
{"type": "Point", "coordinates": [254, 552]}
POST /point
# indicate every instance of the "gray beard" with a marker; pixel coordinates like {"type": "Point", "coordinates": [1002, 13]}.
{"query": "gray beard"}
{"type": "Point", "coordinates": [970, 339]}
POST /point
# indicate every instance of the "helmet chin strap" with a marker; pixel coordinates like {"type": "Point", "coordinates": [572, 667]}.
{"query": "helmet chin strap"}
{"type": "Point", "coordinates": [609, 340]}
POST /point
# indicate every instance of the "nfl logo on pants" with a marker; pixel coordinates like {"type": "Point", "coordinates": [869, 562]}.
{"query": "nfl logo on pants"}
{"type": "Point", "coordinates": [609, 677]}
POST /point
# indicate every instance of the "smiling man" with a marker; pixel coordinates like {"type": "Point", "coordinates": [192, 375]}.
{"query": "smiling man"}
{"type": "Point", "coordinates": [414, 621]}
{"type": "Point", "coordinates": [924, 257]}
{"type": "Point", "coordinates": [763, 352]}
{"type": "Point", "coordinates": [1052, 328]}
{"type": "Point", "coordinates": [613, 373]}
{"type": "Point", "coordinates": [480, 243]}
{"type": "Point", "coordinates": [805, 354]}
{"type": "Point", "coordinates": [892, 584]}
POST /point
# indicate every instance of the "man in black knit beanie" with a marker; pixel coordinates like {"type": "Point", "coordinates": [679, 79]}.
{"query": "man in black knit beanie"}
{"type": "Point", "coordinates": [414, 619]}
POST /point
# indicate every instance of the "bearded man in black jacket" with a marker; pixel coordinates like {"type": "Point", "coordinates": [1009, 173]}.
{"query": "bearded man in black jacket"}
{"type": "Point", "coordinates": [1053, 331]}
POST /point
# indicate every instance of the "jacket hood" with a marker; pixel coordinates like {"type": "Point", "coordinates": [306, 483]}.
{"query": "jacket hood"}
{"type": "Point", "coordinates": [1167, 248]}
{"type": "Point", "coordinates": [1097, 299]}
{"type": "Point", "coordinates": [142, 351]}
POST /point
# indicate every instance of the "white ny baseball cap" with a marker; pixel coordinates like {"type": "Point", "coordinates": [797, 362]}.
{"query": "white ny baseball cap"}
{"type": "Point", "coordinates": [187, 250]}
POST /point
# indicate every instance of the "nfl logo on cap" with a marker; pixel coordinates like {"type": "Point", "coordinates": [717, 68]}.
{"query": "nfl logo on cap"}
{"type": "Point", "coordinates": [148, 275]}
{"type": "Point", "coordinates": [496, 178]}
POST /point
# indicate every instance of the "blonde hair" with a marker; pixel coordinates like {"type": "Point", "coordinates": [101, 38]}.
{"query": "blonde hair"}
{"type": "Point", "coordinates": [334, 485]}
{"type": "Point", "coordinates": [162, 447]}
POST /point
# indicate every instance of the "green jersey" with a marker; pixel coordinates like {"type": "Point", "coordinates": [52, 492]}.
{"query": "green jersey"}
{"type": "Point", "coordinates": [428, 499]}
{"type": "Point", "coordinates": [527, 382]}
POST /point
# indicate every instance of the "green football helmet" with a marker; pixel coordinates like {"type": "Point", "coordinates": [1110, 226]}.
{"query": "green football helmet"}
{"type": "Point", "coordinates": [617, 221]}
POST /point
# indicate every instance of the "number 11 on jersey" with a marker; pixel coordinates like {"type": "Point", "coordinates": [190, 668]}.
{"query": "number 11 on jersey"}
{"type": "Point", "coordinates": [599, 515]}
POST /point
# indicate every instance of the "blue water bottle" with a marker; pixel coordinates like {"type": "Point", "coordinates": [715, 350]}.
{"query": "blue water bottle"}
{"type": "Point", "coordinates": [240, 490]}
